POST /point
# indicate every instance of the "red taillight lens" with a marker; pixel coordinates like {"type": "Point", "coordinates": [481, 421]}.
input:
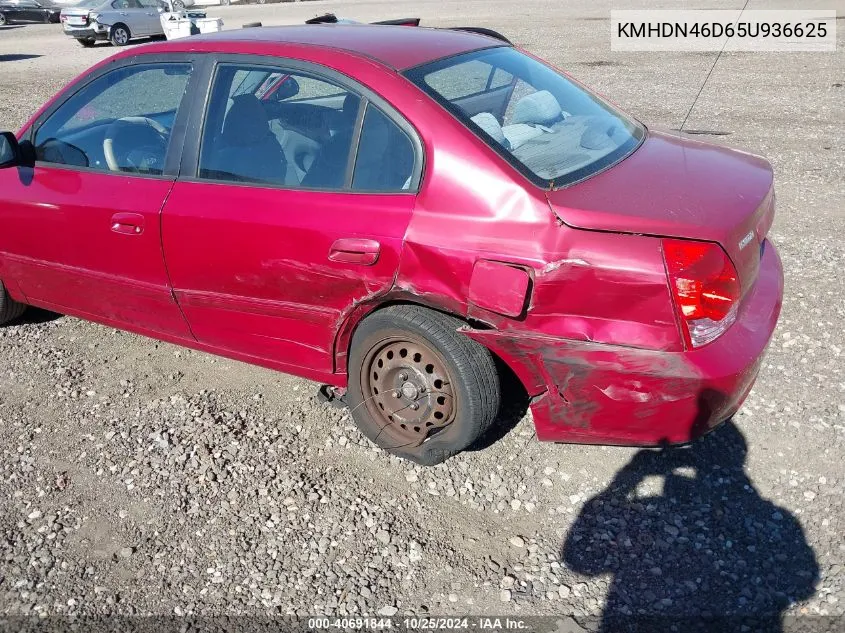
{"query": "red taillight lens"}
{"type": "Point", "coordinates": [705, 286]}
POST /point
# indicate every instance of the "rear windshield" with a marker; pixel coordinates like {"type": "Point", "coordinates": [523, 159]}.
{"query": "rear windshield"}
{"type": "Point", "coordinates": [551, 129]}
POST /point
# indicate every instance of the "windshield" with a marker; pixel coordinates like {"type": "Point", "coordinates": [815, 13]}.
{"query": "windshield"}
{"type": "Point", "coordinates": [548, 127]}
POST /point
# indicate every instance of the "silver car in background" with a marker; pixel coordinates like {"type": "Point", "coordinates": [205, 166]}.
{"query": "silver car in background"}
{"type": "Point", "coordinates": [117, 21]}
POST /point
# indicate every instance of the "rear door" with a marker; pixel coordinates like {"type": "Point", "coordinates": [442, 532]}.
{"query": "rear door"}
{"type": "Point", "coordinates": [271, 242]}
{"type": "Point", "coordinates": [80, 231]}
{"type": "Point", "coordinates": [132, 14]}
{"type": "Point", "coordinates": [149, 14]}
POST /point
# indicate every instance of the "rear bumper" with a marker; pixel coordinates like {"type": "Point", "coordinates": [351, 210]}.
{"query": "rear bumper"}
{"type": "Point", "coordinates": [605, 394]}
{"type": "Point", "coordinates": [99, 32]}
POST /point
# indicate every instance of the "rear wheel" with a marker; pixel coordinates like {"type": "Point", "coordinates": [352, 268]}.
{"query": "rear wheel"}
{"type": "Point", "coordinates": [2, 20]}
{"type": "Point", "coordinates": [178, 5]}
{"type": "Point", "coordinates": [87, 43]}
{"type": "Point", "coordinates": [417, 387]}
{"type": "Point", "coordinates": [119, 35]}
{"type": "Point", "coordinates": [9, 308]}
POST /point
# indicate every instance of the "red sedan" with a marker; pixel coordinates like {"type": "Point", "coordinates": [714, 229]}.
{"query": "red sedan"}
{"type": "Point", "coordinates": [396, 212]}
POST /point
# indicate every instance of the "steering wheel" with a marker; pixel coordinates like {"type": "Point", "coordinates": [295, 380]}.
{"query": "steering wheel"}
{"type": "Point", "coordinates": [135, 144]}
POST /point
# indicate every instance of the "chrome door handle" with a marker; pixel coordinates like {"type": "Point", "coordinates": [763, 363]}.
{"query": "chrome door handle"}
{"type": "Point", "coordinates": [354, 250]}
{"type": "Point", "coordinates": [127, 223]}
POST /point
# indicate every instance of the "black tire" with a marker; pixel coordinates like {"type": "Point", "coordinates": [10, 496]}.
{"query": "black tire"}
{"type": "Point", "coordinates": [3, 21]}
{"type": "Point", "coordinates": [474, 380]}
{"type": "Point", "coordinates": [120, 34]}
{"type": "Point", "coordinates": [9, 308]}
{"type": "Point", "coordinates": [251, 25]}
{"type": "Point", "coordinates": [87, 43]}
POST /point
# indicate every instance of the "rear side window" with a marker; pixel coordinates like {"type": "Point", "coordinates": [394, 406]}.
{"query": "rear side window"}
{"type": "Point", "coordinates": [385, 160]}
{"type": "Point", "coordinates": [121, 121]}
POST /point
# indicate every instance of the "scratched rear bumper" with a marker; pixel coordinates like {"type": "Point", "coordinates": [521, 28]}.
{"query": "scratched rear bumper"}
{"type": "Point", "coordinates": [593, 393]}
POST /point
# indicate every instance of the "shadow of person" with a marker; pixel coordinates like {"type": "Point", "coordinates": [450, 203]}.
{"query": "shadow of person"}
{"type": "Point", "coordinates": [707, 553]}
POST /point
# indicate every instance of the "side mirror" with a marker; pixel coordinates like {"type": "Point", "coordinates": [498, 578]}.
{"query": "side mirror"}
{"type": "Point", "coordinates": [289, 87]}
{"type": "Point", "coordinates": [10, 151]}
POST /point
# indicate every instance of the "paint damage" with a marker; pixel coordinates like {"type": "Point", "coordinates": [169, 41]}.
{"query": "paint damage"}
{"type": "Point", "coordinates": [588, 392]}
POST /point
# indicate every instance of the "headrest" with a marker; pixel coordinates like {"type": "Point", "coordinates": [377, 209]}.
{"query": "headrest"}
{"type": "Point", "coordinates": [539, 108]}
{"type": "Point", "coordinates": [490, 124]}
{"type": "Point", "coordinates": [246, 121]}
{"type": "Point", "coordinates": [350, 106]}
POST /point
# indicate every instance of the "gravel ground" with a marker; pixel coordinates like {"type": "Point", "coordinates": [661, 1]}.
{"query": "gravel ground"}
{"type": "Point", "coordinates": [140, 478]}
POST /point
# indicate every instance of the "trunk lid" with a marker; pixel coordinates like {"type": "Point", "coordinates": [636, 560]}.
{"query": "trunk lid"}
{"type": "Point", "coordinates": [75, 16]}
{"type": "Point", "coordinates": [674, 186]}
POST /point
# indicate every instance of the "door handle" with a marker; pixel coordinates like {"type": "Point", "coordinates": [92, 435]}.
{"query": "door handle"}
{"type": "Point", "coordinates": [353, 250]}
{"type": "Point", "coordinates": [127, 223]}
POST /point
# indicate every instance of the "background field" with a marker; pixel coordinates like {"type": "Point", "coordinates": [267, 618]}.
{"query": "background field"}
{"type": "Point", "coordinates": [139, 477]}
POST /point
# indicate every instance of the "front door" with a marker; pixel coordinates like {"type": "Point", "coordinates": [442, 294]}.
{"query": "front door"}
{"type": "Point", "coordinates": [270, 236]}
{"type": "Point", "coordinates": [80, 231]}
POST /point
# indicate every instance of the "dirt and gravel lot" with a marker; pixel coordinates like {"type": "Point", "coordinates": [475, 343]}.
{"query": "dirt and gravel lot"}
{"type": "Point", "coordinates": [140, 478]}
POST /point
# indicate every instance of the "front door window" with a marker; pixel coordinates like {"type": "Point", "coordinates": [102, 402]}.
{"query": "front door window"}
{"type": "Point", "coordinates": [120, 122]}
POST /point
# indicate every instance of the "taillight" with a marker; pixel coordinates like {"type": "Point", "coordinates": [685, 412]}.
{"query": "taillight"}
{"type": "Point", "coordinates": [705, 287]}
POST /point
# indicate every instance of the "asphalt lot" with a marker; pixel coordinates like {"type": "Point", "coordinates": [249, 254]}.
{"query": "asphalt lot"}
{"type": "Point", "coordinates": [143, 478]}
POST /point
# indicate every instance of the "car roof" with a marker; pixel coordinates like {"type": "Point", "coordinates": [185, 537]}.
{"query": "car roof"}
{"type": "Point", "coordinates": [399, 47]}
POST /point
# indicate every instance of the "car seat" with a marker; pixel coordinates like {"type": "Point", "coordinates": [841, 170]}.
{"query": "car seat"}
{"type": "Point", "coordinates": [533, 115]}
{"type": "Point", "coordinates": [328, 170]}
{"type": "Point", "coordinates": [247, 151]}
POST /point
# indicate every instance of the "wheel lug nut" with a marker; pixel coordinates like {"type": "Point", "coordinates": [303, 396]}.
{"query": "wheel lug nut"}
{"type": "Point", "coordinates": [415, 406]}
{"type": "Point", "coordinates": [422, 388]}
{"type": "Point", "coordinates": [403, 376]}
{"type": "Point", "coordinates": [397, 394]}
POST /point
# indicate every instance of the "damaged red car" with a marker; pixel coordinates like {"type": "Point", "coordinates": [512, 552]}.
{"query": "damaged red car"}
{"type": "Point", "coordinates": [402, 214]}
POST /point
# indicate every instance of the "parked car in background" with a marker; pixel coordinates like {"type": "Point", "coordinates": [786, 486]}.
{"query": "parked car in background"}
{"type": "Point", "coordinates": [178, 5]}
{"type": "Point", "coordinates": [28, 11]}
{"type": "Point", "coordinates": [117, 21]}
{"type": "Point", "coordinates": [401, 213]}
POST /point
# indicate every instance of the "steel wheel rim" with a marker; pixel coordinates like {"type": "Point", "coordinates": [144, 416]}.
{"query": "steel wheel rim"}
{"type": "Point", "coordinates": [408, 390]}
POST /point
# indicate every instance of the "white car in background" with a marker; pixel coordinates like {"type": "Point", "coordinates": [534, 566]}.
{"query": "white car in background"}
{"type": "Point", "coordinates": [118, 21]}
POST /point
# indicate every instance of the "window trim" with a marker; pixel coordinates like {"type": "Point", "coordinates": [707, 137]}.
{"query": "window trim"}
{"type": "Point", "coordinates": [189, 168]}
{"type": "Point", "coordinates": [177, 134]}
